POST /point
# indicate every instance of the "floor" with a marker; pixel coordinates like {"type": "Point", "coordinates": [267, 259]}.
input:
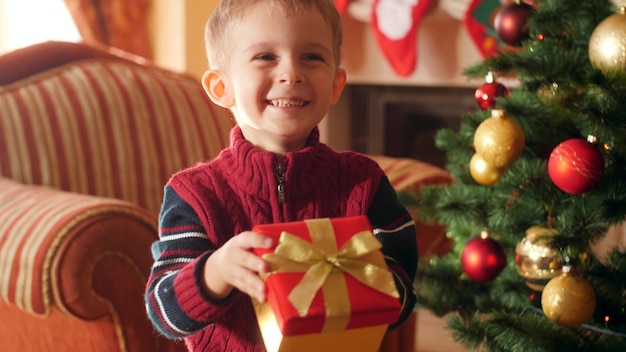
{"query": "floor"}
{"type": "Point", "coordinates": [432, 335]}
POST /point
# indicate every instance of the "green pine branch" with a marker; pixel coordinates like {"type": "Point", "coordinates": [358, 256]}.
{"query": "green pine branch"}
{"type": "Point", "coordinates": [557, 95]}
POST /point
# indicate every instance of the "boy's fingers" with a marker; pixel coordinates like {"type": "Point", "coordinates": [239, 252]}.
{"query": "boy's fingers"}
{"type": "Point", "coordinates": [251, 239]}
{"type": "Point", "coordinates": [253, 262]}
{"type": "Point", "coordinates": [249, 282]}
{"type": "Point", "coordinates": [257, 288]}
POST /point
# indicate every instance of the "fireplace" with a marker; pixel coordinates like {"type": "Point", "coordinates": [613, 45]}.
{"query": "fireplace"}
{"type": "Point", "coordinates": [401, 121]}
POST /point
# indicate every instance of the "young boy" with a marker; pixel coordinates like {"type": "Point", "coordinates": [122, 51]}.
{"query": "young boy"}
{"type": "Point", "coordinates": [275, 65]}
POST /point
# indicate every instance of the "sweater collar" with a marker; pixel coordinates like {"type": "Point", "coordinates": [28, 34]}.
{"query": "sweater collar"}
{"type": "Point", "coordinates": [254, 170]}
{"type": "Point", "coordinates": [241, 145]}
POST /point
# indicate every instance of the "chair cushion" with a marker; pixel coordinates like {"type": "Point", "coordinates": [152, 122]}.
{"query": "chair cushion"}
{"type": "Point", "coordinates": [408, 175]}
{"type": "Point", "coordinates": [108, 128]}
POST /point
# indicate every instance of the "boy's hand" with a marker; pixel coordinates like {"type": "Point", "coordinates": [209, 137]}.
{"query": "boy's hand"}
{"type": "Point", "coordinates": [234, 265]}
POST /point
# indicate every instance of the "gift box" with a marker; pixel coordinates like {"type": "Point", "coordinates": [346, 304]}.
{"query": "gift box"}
{"type": "Point", "coordinates": [328, 287]}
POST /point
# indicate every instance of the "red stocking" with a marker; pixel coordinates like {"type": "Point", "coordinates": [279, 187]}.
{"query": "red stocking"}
{"type": "Point", "coordinates": [395, 24]}
{"type": "Point", "coordinates": [479, 23]}
{"type": "Point", "coordinates": [342, 5]}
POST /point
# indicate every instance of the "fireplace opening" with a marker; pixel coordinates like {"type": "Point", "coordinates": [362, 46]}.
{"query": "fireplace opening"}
{"type": "Point", "coordinates": [401, 121]}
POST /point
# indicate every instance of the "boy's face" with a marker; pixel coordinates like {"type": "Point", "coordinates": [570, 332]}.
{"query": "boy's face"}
{"type": "Point", "coordinates": [281, 77]}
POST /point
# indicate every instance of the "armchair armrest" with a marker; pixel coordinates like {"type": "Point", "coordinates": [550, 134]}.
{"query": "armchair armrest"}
{"type": "Point", "coordinates": [408, 176]}
{"type": "Point", "coordinates": [82, 255]}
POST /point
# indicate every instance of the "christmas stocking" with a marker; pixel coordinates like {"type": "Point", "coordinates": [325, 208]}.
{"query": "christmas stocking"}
{"type": "Point", "coordinates": [479, 23]}
{"type": "Point", "coordinates": [341, 6]}
{"type": "Point", "coordinates": [395, 24]}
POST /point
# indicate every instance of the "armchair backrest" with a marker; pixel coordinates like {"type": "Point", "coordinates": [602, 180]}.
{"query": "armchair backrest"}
{"type": "Point", "coordinates": [103, 123]}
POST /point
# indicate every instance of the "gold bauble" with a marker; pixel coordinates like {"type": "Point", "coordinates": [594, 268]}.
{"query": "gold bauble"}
{"type": "Point", "coordinates": [535, 261]}
{"type": "Point", "coordinates": [568, 299]}
{"type": "Point", "coordinates": [483, 172]}
{"type": "Point", "coordinates": [548, 93]}
{"type": "Point", "coordinates": [607, 44]}
{"type": "Point", "coordinates": [499, 140]}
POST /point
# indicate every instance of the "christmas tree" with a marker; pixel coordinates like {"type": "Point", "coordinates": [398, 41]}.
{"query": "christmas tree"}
{"type": "Point", "coordinates": [540, 177]}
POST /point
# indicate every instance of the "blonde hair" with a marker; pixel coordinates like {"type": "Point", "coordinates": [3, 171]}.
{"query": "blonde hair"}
{"type": "Point", "coordinates": [219, 27]}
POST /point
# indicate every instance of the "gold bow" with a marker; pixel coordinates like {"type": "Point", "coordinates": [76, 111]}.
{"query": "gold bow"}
{"type": "Point", "coordinates": [324, 265]}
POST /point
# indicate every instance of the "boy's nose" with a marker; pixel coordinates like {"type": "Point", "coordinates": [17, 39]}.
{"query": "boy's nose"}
{"type": "Point", "coordinates": [290, 73]}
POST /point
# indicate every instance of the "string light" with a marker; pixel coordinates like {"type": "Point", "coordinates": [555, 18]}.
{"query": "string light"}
{"type": "Point", "coordinates": [604, 331]}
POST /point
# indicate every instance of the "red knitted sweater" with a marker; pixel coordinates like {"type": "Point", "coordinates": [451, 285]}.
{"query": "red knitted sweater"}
{"type": "Point", "coordinates": [206, 205]}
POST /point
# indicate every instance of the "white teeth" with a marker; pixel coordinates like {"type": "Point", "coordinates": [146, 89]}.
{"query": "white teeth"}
{"type": "Point", "coordinates": [287, 104]}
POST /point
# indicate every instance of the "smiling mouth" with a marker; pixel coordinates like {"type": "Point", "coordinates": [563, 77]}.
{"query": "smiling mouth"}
{"type": "Point", "coordinates": [287, 103]}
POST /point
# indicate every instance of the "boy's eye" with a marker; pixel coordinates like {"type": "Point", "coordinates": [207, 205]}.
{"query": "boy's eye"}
{"type": "Point", "coordinates": [313, 57]}
{"type": "Point", "coordinates": [264, 57]}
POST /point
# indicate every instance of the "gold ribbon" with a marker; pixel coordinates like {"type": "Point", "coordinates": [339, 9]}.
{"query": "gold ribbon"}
{"type": "Point", "coordinates": [324, 266]}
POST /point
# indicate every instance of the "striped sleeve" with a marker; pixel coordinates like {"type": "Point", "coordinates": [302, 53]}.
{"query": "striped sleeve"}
{"type": "Point", "coordinates": [175, 298]}
{"type": "Point", "coordinates": [395, 229]}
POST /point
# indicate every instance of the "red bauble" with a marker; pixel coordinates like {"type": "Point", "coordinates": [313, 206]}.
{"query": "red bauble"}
{"type": "Point", "coordinates": [483, 259]}
{"type": "Point", "coordinates": [576, 166]}
{"type": "Point", "coordinates": [511, 23]}
{"type": "Point", "coordinates": [487, 93]}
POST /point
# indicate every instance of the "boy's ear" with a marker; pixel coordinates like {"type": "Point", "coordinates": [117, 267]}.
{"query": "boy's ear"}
{"type": "Point", "coordinates": [214, 87]}
{"type": "Point", "coordinates": [338, 84]}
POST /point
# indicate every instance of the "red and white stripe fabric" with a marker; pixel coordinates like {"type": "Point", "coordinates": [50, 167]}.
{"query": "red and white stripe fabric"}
{"type": "Point", "coordinates": [102, 136]}
{"type": "Point", "coordinates": [408, 175]}
{"type": "Point", "coordinates": [107, 128]}
{"type": "Point", "coordinates": [36, 220]}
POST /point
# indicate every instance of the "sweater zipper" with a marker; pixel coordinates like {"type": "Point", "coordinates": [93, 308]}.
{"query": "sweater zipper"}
{"type": "Point", "coordinates": [280, 175]}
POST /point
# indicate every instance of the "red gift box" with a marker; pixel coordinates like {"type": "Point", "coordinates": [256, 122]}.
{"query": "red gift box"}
{"type": "Point", "coordinates": [327, 277]}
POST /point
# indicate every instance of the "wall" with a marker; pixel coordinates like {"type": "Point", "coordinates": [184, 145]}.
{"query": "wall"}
{"type": "Point", "coordinates": [177, 34]}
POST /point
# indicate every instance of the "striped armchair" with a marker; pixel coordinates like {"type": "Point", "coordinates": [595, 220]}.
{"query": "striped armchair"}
{"type": "Point", "coordinates": [88, 138]}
